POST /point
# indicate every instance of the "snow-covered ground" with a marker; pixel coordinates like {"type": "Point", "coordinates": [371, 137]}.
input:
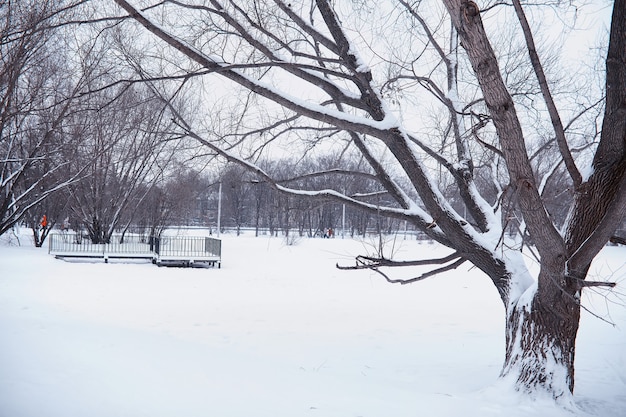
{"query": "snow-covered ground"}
{"type": "Point", "coordinates": [277, 331]}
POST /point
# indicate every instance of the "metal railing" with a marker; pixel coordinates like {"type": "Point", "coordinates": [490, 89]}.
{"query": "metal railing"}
{"type": "Point", "coordinates": [187, 248]}
{"type": "Point", "coordinates": [71, 243]}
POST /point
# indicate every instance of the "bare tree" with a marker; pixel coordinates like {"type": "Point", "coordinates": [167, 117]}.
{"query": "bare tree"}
{"type": "Point", "coordinates": [124, 147]}
{"type": "Point", "coordinates": [236, 183]}
{"type": "Point", "coordinates": [37, 93]}
{"type": "Point", "coordinates": [272, 47]}
{"type": "Point", "coordinates": [180, 198]}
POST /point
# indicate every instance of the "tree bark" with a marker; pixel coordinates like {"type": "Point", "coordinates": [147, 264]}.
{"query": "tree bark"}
{"type": "Point", "coordinates": [541, 330]}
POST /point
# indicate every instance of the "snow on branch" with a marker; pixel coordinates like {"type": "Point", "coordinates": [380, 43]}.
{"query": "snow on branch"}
{"type": "Point", "coordinates": [330, 172]}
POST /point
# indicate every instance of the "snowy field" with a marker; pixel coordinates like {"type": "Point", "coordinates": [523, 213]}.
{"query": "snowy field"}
{"type": "Point", "coordinates": [277, 331]}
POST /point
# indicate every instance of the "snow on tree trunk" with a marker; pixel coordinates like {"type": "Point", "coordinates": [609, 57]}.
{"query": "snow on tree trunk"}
{"type": "Point", "coordinates": [541, 328]}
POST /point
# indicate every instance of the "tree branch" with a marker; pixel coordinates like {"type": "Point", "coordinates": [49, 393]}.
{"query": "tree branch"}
{"type": "Point", "coordinates": [376, 263]}
{"type": "Point", "coordinates": [547, 96]}
{"type": "Point", "coordinates": [618, 240]}
{"type": "Point", "coordinates": [370, 261]}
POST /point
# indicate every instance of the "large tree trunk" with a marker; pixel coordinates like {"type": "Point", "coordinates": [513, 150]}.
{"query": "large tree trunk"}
{"type": "Point", "coordinates": [541, 330]}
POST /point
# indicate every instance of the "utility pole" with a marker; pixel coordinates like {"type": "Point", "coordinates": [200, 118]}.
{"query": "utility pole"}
{"type": "Point", "coordinates": [219, 209]}
{"type": "Point", "coordinates": [343, 221]}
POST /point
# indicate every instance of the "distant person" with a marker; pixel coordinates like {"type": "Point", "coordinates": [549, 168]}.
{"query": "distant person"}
{"type": "Point", "coordinates": [66, 224]}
